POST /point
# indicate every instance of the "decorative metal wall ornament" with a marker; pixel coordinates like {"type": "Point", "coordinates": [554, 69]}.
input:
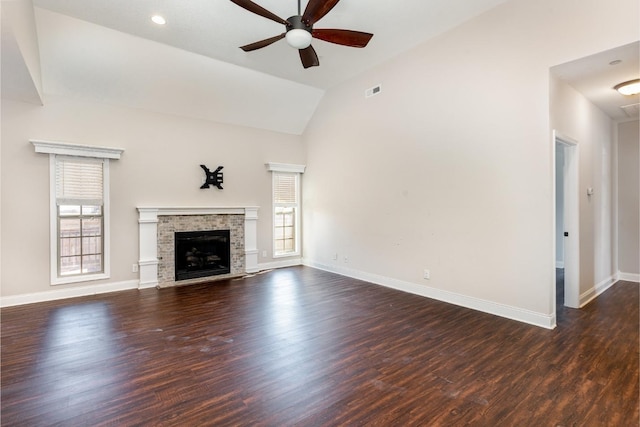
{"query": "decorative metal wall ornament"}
{"type": "Point", "coordinates": [212, 178]}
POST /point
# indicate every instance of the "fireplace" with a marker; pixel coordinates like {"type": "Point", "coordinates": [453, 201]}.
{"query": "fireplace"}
{"type": "Point", "coordinates": [158, 227]}
{"type": "Point", "coordinates": [202, 254]}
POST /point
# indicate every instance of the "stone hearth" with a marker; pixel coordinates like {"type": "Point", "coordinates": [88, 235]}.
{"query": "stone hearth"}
{"type": "Point", "coordinates": [157, 228]}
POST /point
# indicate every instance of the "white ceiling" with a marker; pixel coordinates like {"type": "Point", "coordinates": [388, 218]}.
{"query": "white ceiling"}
{"type": "Point", "coordinates": [217, 89]}
{"type": "Point", "coordinates": [595, 76]}
{"type": "Point", "coordinates": [216, 29]}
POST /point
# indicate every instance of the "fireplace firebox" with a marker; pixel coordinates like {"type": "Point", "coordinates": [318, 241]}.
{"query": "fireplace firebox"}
{"type": "Point", "coordinates": [202, 254]}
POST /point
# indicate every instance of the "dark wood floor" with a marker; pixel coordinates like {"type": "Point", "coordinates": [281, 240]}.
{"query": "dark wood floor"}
{"type": "Point", "coordinates": [300, 346]}
{"type": "Point", "coordinates": [559, 291]}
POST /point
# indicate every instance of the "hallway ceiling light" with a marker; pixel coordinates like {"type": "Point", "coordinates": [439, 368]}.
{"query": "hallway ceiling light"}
{"type": "Point", "coordinates": [632, 87]}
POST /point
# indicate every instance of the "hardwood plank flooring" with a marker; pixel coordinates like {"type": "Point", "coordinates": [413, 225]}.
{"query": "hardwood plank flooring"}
{"type": "Point", "coordinates": [303, 347]}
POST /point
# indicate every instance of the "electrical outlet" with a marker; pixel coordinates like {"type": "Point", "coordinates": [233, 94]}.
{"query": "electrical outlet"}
{"type": "Point", "coordinates": [335, 257]}
{"type": "Point", "coordinates": [134, 268]}
{"type": "Point", "coordinates": [427, 274]}
{"type": "Point", "coordinates": [346, 259]}
{"type": "Point", "coordinates": [264, 254]}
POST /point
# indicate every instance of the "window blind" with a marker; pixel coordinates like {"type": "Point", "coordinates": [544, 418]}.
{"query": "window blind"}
{"type": "Point", "coordinates": [284, 188]}
{"type": "Point", "coordinates": [79, 181]}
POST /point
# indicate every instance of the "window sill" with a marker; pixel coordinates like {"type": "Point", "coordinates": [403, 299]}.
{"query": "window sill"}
{"type": "Point", "coordinates": [79, 279]}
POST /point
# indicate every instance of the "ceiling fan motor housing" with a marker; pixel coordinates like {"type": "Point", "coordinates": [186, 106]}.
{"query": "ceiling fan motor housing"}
{"type": "Point", "coordinates": [296, 23]}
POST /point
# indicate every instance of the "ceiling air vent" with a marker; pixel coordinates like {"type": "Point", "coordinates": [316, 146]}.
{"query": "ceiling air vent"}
{"type": "Point", "coordinates": [631, 110]}
{"type": "Point", "coordinates": [373, 91]}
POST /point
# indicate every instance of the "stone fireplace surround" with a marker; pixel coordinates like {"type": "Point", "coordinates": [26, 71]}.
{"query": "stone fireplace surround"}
{"type": "Point", "coordinates": [156, 228]}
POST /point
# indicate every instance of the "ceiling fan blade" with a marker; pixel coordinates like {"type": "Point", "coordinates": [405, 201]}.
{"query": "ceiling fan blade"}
{"type": "Point", "coordinates": [262, 43]}
{"type": "Point", "coordinates": [316, 9]}
{"type": "Point", "coordinates": [343, 37]}
{"type": "Point", "coordinates": [309, 57]}
{"type": "Point", "coordinates": [259, 10]}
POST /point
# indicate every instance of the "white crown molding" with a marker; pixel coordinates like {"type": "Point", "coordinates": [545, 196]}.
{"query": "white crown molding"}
{"type": "Point", "coordinates": [285, 167]}
{"type": "Point", "coordinates": [80, 150]}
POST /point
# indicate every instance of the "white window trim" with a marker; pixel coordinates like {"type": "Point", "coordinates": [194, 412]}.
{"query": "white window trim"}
{"type": "Point", "coordinates": [67, 149]}
{"type": "Point", "coordinates": [298, 227]}
{"type": "Point", "coordinates": [298, 170]}
{"type": "Point", "coordinates": [79, 150]}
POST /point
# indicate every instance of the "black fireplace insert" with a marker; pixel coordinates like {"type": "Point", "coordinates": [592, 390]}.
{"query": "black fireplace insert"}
{"type": "Point", "coordinates": [202, 254]}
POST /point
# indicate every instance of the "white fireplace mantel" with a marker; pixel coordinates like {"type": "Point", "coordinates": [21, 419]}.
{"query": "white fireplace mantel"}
{"type": "Point", "coordinates": [148, 227]}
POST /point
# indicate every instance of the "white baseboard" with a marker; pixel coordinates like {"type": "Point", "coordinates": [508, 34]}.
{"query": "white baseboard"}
{"type": "Point", "coordinates": [56, 294]}
{"type": "Point", "coordinates": [629, 277]}
{"type": "Point", "coordinates": [598, 289]}
{"type": "Point", "coordinates": [147, 285]}
{"type": "Point", "coordinates": [289, 262]}
{"type": "Point", "coordinates": [526, 316]}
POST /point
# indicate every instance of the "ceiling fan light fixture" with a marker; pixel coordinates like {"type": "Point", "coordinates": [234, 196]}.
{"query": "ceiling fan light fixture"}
{"type": "Point", "coordinates": [298, 38]}
{"type": "Point", "coordinates": [299, 30]}
{"type": "Point", "coordinates": [632, 87]}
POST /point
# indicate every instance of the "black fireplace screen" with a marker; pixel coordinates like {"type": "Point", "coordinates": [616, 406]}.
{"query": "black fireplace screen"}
{"type": "Point", "coordinates": [202, 254]}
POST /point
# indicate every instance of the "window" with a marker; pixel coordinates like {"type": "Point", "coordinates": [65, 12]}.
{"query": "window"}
{"type": "Point", "coordinates": [286, 209]}
{"type": "Point", "coordinates": [285, 213]}
{"type": "Point", "coordinates": [79, 213]}
{"type": "Point", "coordinates": [79, 216]}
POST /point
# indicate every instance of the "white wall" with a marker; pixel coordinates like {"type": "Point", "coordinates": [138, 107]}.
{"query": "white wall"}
{"type": "Point", "coordinates": [159, 167]}
{"type": "Point", "coordinates": [21, 74]}
{"type": "Point", "coordinates": [450, 167]}
{"type": "Point", "coordinates": [574, 116]}
{"type": "Point", "coordinates": [629, 200]}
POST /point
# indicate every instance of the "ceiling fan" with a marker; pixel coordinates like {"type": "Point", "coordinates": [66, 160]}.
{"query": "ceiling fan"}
{"type": "Point", "coordinates": [299, 30]}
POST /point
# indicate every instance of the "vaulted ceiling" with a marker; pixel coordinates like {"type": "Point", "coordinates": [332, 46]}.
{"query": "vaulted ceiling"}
{"type": "Point", "coordinates": [111, 52]}
{"type": "Point", "coordinates": [216, 29]}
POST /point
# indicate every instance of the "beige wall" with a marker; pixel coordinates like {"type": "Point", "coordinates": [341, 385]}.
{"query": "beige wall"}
{"type": "Point", "coordinates": [629, 198]}
{"type": "Point", "coordinates": [450, 167]}
{"type": "Point", "coordinates": [159, 167]}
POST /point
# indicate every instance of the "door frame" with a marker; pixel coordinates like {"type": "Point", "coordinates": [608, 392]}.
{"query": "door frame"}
{"type": "Point", "coordinates": [571, 216]}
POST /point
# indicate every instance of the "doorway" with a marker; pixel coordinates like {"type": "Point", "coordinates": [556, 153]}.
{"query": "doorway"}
{"type": "Point", "coordinates": [566, 181]}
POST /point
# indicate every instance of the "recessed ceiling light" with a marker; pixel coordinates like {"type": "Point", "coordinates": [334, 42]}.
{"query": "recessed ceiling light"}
{"type": "Point", "coordinates": [632, 87]}
{"type": "Point", "coordinates": [158, 19]}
